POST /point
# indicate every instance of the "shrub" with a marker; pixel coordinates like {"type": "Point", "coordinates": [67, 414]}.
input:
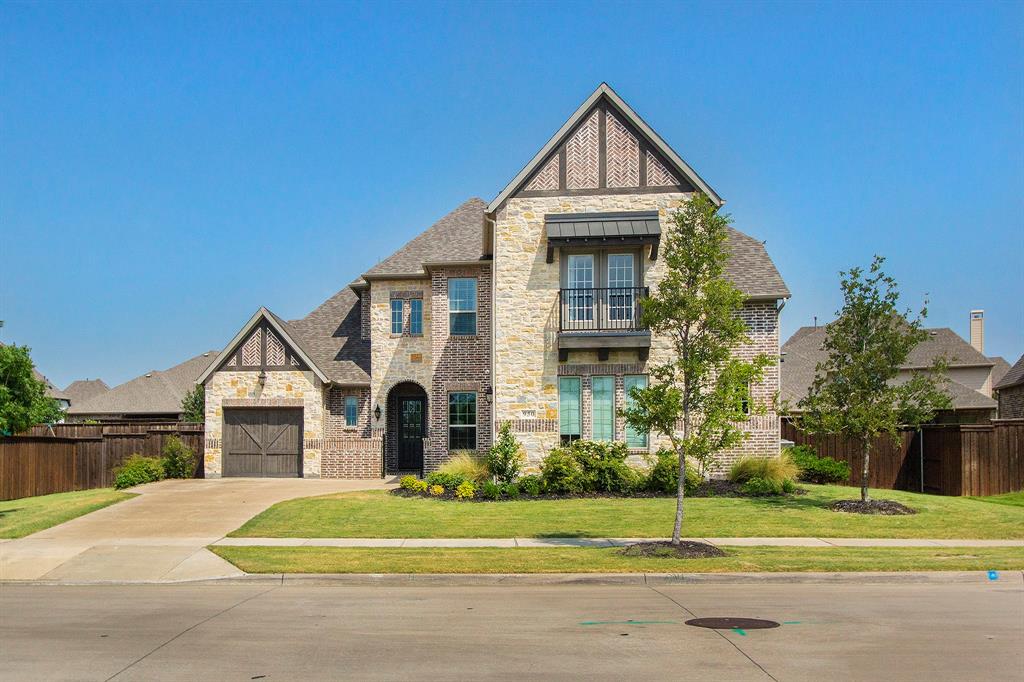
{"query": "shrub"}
{"type": "Point", "coordinates": [775, 469]}
{"type": "Point", "coordinates": [465, 491]}
{"type": "Point", "coordinates": [561, 473]}
{"type": "Point", "coordinates": [467, 467]}
{"type": "Point", "coordinates": [419, 486]}
{"type": "Point", "coordinates": [445, 480]}
{"type": "Point", "coordinates": [815, 469]}
{"type": "Point", "coordinates": [490, 490]}
{"type": "Point", "coordinates": [178, 461]}
{"type": "Point", "coordinates": [137, 470]}
{"type": "Point", "coordinates": [436, 490]}
{"type": "Point", "coordinates": [663, 476]}
{"type": "Point", "coordinates": [408, 482]}
{"type": "Point", "coordinates": [531, 486]}
{"type": "Point", "coordinates": [510, 490]}
{"type": "Point", "coordinates": [505, 458]}
{"type": "Point", "coordinates": [759, 485]}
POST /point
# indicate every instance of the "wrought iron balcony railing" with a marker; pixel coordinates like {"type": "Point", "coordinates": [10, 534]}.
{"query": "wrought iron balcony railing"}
{"type": "Point", "coordinates": [600, 310]}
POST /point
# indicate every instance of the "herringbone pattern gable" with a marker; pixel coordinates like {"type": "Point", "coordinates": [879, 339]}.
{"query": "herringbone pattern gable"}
{"type": "Point", "coordinates": [581, 155]}
{"type": "Point", "coordinates": [546, 177]}
{"type": "Point", "coordinates": [251, 351]}
{"type": "Point", "coordinates": [623, 151]}
{"type": "Point", "coordinates": [657, 174]}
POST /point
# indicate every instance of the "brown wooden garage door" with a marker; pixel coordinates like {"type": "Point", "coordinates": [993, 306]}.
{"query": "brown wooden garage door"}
{"type": "Point", "coordinates": [263, 442]}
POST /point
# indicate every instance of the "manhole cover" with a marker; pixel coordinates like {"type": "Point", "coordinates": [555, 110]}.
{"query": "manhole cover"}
{"type": "Point", "coordinates": [733, 623]}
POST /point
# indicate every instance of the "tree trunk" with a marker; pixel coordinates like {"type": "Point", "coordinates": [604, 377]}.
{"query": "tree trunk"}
{"type": "Point", "coordinates": [866, 449]}
{"type": "Point", "coordinates": [677, 530]}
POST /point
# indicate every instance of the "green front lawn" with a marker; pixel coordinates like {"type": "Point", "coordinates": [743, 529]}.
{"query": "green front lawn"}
{"type": "Point", "coordinates": [377, 514]}
{"type": "Point", "coordinates": [28, 515]}
{"type": "Point", "coordinates": [1011, 499]}
{"type": "Point", "coordinates": [588, 560]}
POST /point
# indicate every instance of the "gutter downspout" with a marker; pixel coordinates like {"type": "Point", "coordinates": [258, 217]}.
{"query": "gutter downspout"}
{"type": "Point", "coordinates": [494, 324]}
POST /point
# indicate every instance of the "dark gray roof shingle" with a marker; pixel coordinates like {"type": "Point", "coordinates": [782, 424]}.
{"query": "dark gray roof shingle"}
{"type": "Point", "coordinates": [331, 336]}
{"type": "Point", "coordinates": [1013, 377]}
{"type": "Point", "coordinates": [751, 269]}
{"type": "Point", "coordinates": [455, 238]}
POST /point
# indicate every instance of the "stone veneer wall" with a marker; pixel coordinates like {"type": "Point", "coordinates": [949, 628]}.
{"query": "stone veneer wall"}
{"type": "Point", "coordinates": [281, 389]}
{"type": "Point", "coordinates": [396, 358]}
{"type": "Point", "coordinates": [526, 366]}
{"type": "Point", "coordinates": [460, 363]}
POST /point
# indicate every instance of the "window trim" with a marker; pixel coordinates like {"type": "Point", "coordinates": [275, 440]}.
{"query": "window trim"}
{"type": "Point", "coordinates": [569, 437]}
{"type": "Point", "coordinates": [474, 426]}
{"type": "Point", "coordinates": [401, 316]}
{"type": "Point", "coordinates": [353, 401]}
{"type": "Point", "coordinates": [452, 312]}
{"type": "Point", "coordinates": [631, 444]}
{"type": "Point", "coordinates": [593, 408]}
{"type": "Point", "coordinates": [415, 303]}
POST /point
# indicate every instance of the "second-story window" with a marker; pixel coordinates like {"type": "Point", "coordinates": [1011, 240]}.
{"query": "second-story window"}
{"type": "Point", "coordinates": [462, 306]}
{"type": "Point", "coordinates": [415, 316]}
{"type": "Point", "coordinates": [396, 315]}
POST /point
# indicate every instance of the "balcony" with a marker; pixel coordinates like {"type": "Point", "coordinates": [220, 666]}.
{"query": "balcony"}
{"type": "Point", "coordinates": [601, 319]}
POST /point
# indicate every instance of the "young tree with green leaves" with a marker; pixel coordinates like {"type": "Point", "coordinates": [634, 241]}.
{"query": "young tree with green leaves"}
{"type": "Point", "coordinates": [699, 395]}
{"type": "Point", "coordinates": [23, 399]}
{"type": "Point", "coordinates": [193, 405]}
{"type": "Point", "coordinates": [855, 391]}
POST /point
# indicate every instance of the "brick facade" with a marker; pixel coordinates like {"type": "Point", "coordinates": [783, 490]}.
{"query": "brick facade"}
{"type": "Point", "coordinates": [1011, 402]}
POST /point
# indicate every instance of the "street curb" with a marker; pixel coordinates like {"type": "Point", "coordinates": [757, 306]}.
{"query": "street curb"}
{"type": "Point", "coordinates": [1004, 578]}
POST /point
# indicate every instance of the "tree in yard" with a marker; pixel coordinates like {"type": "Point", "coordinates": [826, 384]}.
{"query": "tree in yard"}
{"type": "Point", "coordinates": [23, 399]}
{"type": "Point", "coordinates": [700, 394]}
{"type": "Point", "coordinates": [855, 390]}
{"type": "Point", "coordinates": [193, 405]}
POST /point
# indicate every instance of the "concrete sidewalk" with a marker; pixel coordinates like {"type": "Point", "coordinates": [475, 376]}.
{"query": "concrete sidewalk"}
{"type": "Point", "coordinates": [606, 542]}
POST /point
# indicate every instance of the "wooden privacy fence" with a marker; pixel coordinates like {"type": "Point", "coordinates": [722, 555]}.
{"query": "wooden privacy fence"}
{"type": "Point", "coordinates": [944, 459]}
{"type": "Point", "coordinates": [68, 457]}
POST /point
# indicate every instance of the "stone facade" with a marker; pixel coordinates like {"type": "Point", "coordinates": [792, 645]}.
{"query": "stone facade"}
{"type": "Point", "coordinates": [281, 389]}
{"type": "Point", "coordinates": [1011, 402]}
{"type": "Point", "coordinates": [526, 363]}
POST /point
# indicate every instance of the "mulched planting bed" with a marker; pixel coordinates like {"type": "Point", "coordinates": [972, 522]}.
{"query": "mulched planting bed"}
{"type": "Point", "coordinates": [685, 550]}
{"type": "Point", "coordinates": [883, 507]}
{"type": "Point", "coordinates": [711, 488]}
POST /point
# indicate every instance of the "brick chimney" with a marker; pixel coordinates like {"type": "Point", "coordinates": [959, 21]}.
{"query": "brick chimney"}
{"type": "Point", "coordinates": [978, 330]}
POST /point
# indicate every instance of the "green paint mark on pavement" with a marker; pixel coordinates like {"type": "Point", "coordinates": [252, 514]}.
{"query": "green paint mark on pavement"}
{"type": "Point", "coordinates": [740, 632]}
{"type": "Point", "coordinates": [790, 622]}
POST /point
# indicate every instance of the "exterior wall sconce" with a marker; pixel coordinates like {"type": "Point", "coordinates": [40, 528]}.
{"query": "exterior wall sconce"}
{"type": "Point", "coordinates": [262, 378]}
{"type": "Point", "coordinates": [376, 412]}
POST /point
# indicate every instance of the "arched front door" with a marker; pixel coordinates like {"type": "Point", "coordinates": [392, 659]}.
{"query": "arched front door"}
{"type": "Point", "coordinates": [408, 426]}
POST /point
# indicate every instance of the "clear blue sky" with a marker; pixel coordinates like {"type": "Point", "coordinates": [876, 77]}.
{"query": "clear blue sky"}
{"type": "Point", "coordinates": [165, 169]}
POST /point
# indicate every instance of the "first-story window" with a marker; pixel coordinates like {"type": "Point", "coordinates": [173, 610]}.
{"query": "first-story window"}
{"type": "Point", "coordinates": [603, 407]}
{"type": "Point", "coordinates": [462, 421]}
{"type": "Point", "coordinates": [396, 315]}
{"type": "Point", "coordinates": [634, 438]}
{"type": "Point", "coordinates": [569, 411]}
{"type": "Point", "coordinates": [416, 316]}
{"type": "Point", "coordinates": [351, 410]}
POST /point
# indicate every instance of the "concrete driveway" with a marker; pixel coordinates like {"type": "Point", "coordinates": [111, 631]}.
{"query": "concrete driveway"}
{"type": "Point", "coordinates": [159, 535]}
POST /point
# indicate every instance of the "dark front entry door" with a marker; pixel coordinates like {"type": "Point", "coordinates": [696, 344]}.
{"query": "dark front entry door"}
{"type": "Point", "coordinates": [411, 427]}
{"type": "Point", "coordinates": [263, 442]}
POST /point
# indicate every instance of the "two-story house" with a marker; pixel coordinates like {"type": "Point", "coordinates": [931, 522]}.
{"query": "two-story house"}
{"type": "Point", "coordinates": [523, 310]}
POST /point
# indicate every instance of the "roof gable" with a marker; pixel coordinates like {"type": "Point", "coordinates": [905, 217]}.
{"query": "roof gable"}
{"type": "Point", "coordinates": [1013, 377]}
{"type": "Point", "coordinates": [604, 147]}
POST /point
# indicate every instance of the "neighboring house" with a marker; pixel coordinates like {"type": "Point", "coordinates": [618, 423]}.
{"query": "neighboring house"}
{"type": "Point", "coordinates": [523, 310]}
{"type": "Point", "coordinates": [1010, 392]}
{"type": "Point", "coordinates": [969, 372]}
{"type": "Point", "coordinates": [53, 392]}
{"type": "Point", "coordinates": [83, 389]}
{"type": "Point", "coordinates": [156, 395]}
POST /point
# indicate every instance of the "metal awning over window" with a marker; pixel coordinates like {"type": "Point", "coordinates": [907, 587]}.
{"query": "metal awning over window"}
{"type": "Point", "coordinates": [602, 229]}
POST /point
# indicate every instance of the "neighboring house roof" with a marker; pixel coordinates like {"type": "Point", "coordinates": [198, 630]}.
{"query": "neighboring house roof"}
{"type": "Point", "coordinates": [999, 369]}
{"type": "Point", "coordinates": [455, 238]}
{"type": "Point", "coordinates": [1014, 377]}
{"type": "Point", "coordinates": [84, 389]}
{"type": "Point", "coordinates": [51, 390]}
{"type": "Point", "coordinates": [604, 90]}
{"type": "Point", "coordinates": [803, 351]}
{"type": "Point", "coordinates": [155, 392]}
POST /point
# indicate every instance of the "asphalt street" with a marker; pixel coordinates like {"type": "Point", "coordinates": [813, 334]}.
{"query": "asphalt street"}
{"type": "Point", "coordinates": [311, 632]}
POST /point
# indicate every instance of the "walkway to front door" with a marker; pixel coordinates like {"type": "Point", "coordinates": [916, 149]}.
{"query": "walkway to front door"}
{"type": "Point", "coordinates": [406, 427]}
